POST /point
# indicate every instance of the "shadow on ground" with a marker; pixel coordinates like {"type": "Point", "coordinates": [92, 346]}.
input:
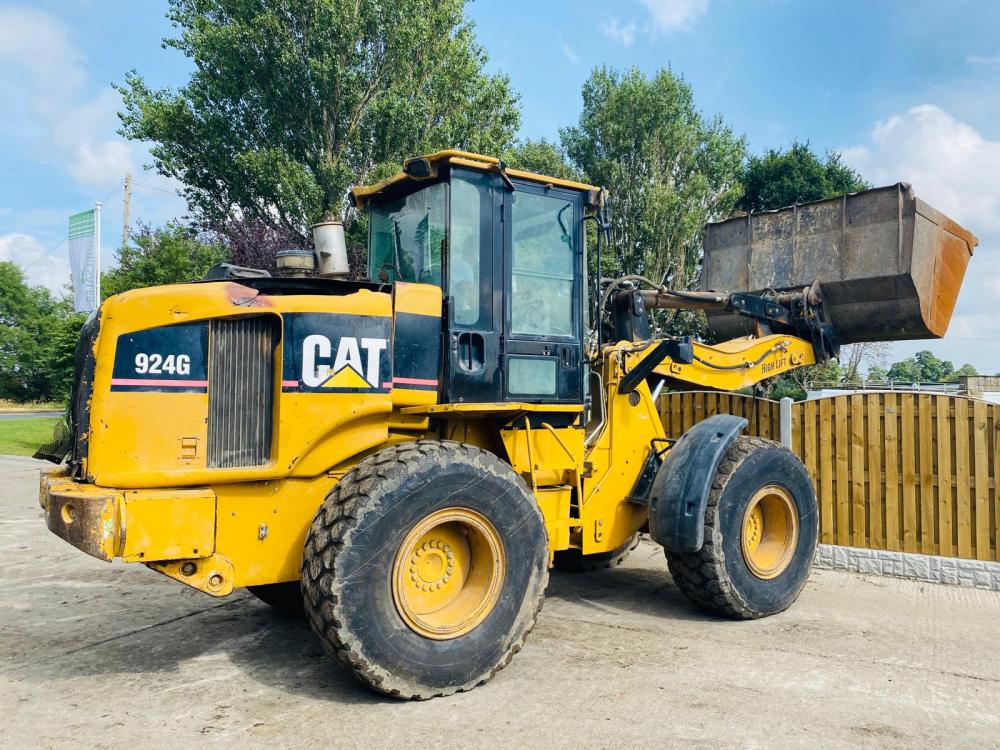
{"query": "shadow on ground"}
{"type": "Point", "coordinates": [275, 650]}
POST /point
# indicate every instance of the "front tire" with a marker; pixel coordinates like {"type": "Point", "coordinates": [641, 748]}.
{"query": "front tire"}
{"type": "Point", "coordinates": [761, 527]}
{"type": "Point", "coordinates": [425, 568]}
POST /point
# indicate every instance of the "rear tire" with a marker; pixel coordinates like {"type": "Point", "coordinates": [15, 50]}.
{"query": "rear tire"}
{"type": "Point", "coordinates": [574, 561]}
{"type": "Point", "coordinates": [761, 526]}
{"type": "Point", "coordinates": [425, 568]}
{"type": "Point", "coordinates": [286, 598]}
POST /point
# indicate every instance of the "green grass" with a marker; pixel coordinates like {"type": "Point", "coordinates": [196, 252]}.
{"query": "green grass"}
{"type": "Point", "coordinates": [22, 437]}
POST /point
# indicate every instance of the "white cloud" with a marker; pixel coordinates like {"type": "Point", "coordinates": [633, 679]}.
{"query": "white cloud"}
{"type": "Point", "coordinates": [570, 54]}
{"type": "Point", "coordinates": [953, 167]}
{"type": "Point", "coordinates": [623, 33]}
{"type": "Point", "coordinates": [43, 68]}
{"type": "Point", "coordinates": [39, 43]}
{"type": "Point", "coordinates": [664, 16]}
{"type": "Point", "coordinates": [949, 163]}
{"type": "Point", "coordinates": [988, 61]}
{"type": "Point", "coordinates": [41, 268]}
{"type": "Point", "coordinates": [675, 15]}
{"type": "Point", "coordinates": [60, 119]}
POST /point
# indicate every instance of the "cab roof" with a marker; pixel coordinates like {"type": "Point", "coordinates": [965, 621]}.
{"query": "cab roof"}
{"type": "Point", "coordinates": [427, 168]}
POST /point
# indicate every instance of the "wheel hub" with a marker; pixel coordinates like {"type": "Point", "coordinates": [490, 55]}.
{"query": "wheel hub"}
{"type": "Point", "coordinates": [448, 573]}
{"type": "Point", "coordinates": [432, 565]}
{"type": "Point", "coordinates": [770, 532]}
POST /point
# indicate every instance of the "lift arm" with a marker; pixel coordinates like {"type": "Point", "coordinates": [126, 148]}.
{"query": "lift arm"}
{"type": "Point", "coordinates": [791, 332]}
{"type": "Point", "coordinates": [729, 366]}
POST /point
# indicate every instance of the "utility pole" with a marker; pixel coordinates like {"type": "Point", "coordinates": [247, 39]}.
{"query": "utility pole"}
{"type": "Point", "coordinates": [127, 210]}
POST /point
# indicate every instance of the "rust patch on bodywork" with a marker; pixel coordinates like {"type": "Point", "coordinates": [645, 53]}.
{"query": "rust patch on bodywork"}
{"type": "Point", "coordinates": [87, 521]}
{"type": "Point", "coordinates": [244, 296]}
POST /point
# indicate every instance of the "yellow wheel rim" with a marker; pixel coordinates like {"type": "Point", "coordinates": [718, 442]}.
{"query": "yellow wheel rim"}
{"type": "Point", "coordinates": [770, 532]}
{"type": "Point", "coordinates": [448, 573]}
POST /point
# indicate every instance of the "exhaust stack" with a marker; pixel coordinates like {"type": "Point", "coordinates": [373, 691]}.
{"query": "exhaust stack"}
{"type": "Point", "coordinates": [331, 250]}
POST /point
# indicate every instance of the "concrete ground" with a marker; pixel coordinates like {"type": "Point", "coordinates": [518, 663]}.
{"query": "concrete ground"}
{"type": "Point", "coordinates": [98, 655]}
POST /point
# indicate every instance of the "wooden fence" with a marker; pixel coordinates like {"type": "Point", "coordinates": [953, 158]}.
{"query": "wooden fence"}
{"type": "Point", "coordinates": [912, 472]}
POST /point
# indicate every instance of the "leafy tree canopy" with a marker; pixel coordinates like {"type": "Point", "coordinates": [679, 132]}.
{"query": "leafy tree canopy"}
{"type": "Point", "coordinates": [924, 367]}
{"type": "Point", "coordinates": [291, 103]}
{"type": "Point", "coordinates": [38, 334]}
{"type": "Point", "coordinates": [542, 157]}
{"type": "Point", "coordinates": [170, 255]}
{"type": "Point", "coordinates": [669, 169]}
{"type": "Point", "coordinates": [781, 178]}
{"type": "Point", "coordinates": [964, 371]}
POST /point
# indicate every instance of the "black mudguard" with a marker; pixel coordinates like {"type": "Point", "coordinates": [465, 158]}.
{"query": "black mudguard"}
{"type": "Point", "coordinates": [680, 490]}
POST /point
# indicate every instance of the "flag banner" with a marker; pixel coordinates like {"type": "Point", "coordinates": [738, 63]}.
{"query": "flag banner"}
{"type": "Point", "coordinates": [83, 260]}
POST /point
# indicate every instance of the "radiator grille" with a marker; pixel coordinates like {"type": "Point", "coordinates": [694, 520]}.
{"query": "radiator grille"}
{"type": "Point", "coordinates": [241, 391]}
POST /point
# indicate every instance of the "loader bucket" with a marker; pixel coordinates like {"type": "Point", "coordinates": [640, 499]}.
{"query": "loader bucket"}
{"type": "Point", "coordinates": [889, 265]}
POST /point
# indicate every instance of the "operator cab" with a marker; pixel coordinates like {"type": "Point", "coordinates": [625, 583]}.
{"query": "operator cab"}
{"type": "Point", "coordinates": [507, 249]}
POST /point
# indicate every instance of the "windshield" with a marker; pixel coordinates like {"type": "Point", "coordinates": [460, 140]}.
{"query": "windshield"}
{"type": "Point", "coordinates": [407, 236]}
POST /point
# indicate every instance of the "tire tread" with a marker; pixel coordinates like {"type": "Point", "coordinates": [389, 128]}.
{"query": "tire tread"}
{"type": "Point", "coordinates": [330, 536]}
{"type": "Point", "coordinates": [701, 576]}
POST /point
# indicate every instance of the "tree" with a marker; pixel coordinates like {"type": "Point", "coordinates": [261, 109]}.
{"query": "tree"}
{"type": "Point", "coordinates": [292, 102]}
{"type": "Point", "coordinates": [795, 383]}
{"type": "Point", "coordinates": [669, 169]}
{"type": "Point", "coordinates": [877, 374]}
{"type": "Point", "coordinates": [541, 157]}
{"type": "Point", "coordinates": [924, 367]}
{"type": "Point", "coordinates": [854, 357]}
{"type": "Point", "coordinates": [254, 243]}
{"type": "Point", "coordinates": [170, 255]}
{"type": "Point", "coordinates": [965, 371]}
{"type": "Point", "coordinates": [906, 371]}
{"type": "Point", "coordinates": [778, 179]}
{"type": "Point", "coordinates": [38, 334]}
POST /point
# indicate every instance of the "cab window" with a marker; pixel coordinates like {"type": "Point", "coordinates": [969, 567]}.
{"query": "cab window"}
{"type": "Point", "coordinates": [470, 248]}
{"type": "Point", "coordinates": [542, 265]}
{"type": "Point", "coordinates": [407, 236]}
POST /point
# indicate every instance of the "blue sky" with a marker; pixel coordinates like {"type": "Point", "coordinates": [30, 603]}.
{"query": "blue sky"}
{"type": "Point", "coordinates": [906, 90]}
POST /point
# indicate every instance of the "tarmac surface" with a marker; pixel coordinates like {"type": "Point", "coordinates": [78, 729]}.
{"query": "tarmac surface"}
{"type": "Point", "coordinates": [99, 655]}
{"type": "Point", "coordinates": [29, 414]}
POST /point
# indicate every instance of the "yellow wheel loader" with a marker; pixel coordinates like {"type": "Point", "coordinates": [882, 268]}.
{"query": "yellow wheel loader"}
{"type": "Point", "coordinates": [405, 458]}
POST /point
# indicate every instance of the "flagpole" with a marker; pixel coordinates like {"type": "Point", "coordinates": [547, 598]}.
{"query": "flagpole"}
{"type": "Point", "coordinates": [97, 254]}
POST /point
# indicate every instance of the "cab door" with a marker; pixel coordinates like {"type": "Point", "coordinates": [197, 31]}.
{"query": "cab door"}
{"type": "Point", "coordinates": [543, 315]}
{"type": "Point", "coordinates": [474, 287]}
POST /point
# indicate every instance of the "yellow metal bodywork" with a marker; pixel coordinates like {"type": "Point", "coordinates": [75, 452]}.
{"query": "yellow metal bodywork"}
{"type": "Point", "coordinates": [161, 524]}
{"type": "Point", "coordinates": [740, 363]}
{"type": "Point", "coordinates": [616, 457]}
{"type": "Point", "coordinates": [150, 496]}
{"type": "Point", "coordinates": [135, 437]}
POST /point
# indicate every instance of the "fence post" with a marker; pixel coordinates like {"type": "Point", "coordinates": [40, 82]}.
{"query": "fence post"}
{"type": "Point", "coordinates": [785, 422]}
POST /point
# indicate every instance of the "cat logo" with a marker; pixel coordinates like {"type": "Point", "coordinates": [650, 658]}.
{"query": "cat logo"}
{"type": "Point", "coordinates": [350, 368]}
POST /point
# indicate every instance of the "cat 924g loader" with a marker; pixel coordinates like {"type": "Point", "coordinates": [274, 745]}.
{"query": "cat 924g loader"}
{"type": "Point", "coordinates": [405, 458]}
